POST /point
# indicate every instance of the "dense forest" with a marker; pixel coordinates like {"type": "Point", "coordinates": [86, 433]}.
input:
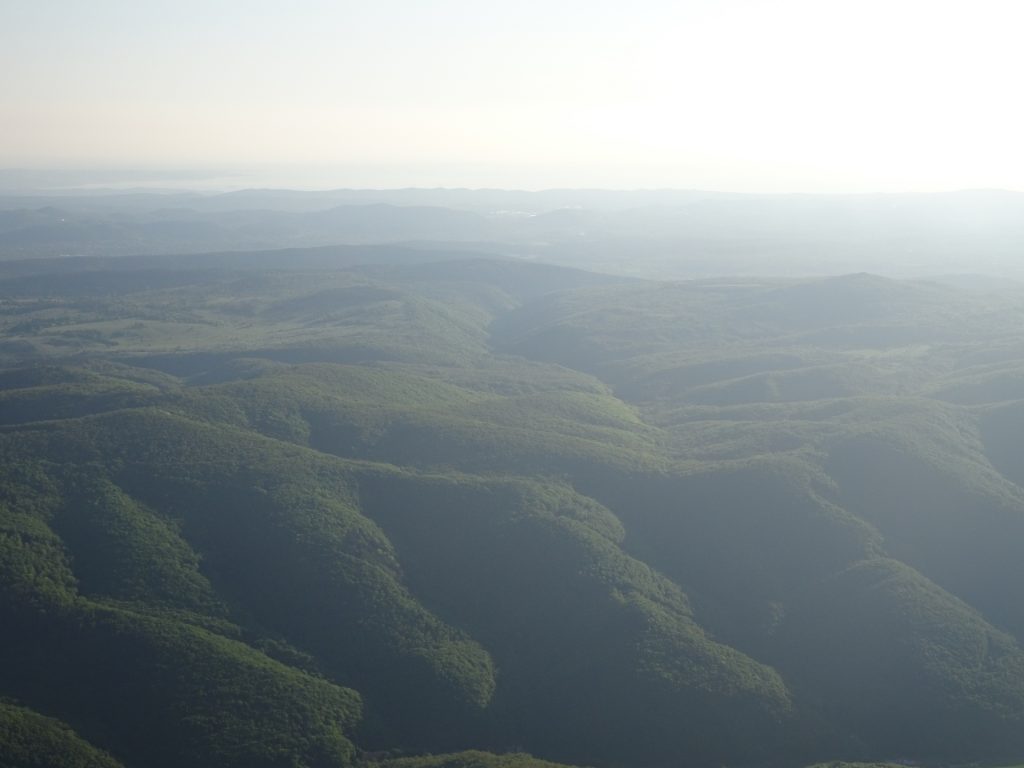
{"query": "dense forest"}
{"type": "Point", "coordinates": [426, 507]}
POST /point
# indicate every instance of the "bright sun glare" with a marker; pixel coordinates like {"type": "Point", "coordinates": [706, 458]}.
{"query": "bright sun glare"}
{"type": "Point", "coordinates": [790, 95]}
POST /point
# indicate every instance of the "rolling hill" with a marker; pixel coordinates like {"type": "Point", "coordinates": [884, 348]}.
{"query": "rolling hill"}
{"type": "Point", "coordinates": [372, 505]}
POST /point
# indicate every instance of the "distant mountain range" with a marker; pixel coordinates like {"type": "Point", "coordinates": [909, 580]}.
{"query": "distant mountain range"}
{"type": "Point", "coordinates": [645, 233]}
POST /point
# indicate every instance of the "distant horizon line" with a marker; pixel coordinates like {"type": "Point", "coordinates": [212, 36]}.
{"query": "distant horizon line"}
{"type": "Point", "coordinates": [212, 180]}
{"type": "Point", "coordinates": [30, 190]}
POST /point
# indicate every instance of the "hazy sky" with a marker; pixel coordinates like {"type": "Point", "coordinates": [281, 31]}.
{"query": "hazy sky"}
{"type": "Point", "coordinates": [746, 95]}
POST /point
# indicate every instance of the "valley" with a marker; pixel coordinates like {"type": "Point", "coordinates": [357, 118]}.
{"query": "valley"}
{"type": "Point", "coordinates": [351, 504]}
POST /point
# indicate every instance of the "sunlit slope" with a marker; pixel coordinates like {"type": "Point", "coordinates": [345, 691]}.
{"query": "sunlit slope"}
{"type": "Point", "coordinates": [727, 342]}
{"type": "Point", "coordinates": [292, 568]}
{"type": "Point", "coordinates": [302, 307]}
{"type": "Point", "coordinates": [32, 741]}
{"type": "Point", "coordinates": [599, 656]}
{"type": "Point", "coordinates": [498, 506]}
{"type": "Point", "coordinates": [838, 375]}
{"type": "Point", "coordinates": [150, 688]}
{"type": "Point", "coordinates": [903, 666]}
{"type": "Point", "coordinates": [746, 538]}
{"type": "Point", "coordinates": [186, 322]}
{"type": "Point", "coordinates": [287, 550]}
{"type": "Point", "coordinates": [495, 417]}
{"type": "Point", "coordinates": [927, 482]}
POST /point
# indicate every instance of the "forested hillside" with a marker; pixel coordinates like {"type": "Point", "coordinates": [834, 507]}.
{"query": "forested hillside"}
{"type": "Point", "coordinates": [415, 507]}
